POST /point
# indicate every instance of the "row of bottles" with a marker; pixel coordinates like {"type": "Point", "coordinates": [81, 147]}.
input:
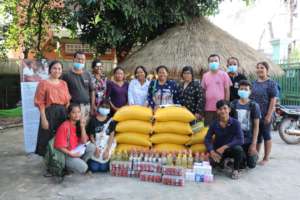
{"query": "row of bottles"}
{"type": "Point", "coordinates": [183, 158]}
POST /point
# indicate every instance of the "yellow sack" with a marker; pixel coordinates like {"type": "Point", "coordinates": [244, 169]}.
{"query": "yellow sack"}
{"type": "Point", "coordinates": [133, 138]}
{"type": "Point", "coordinates": [201, 148]}
{"type": "Point", "coordinates": [173, 113]}
{"type": "Point", "coordinates": [134, 112]}
{"type": "Point", "coordinates": [199, 137]}
{"type": "Point", "coordinates": [173, 127]}
{"type": "Point", "coordinates": [169, 147]}
{"type": "Point", "coordinates": [128, 147]}
{"type": "Point", "coordinates": [134, 126]}
{"type": "Point", "coordinates": [161, 138]}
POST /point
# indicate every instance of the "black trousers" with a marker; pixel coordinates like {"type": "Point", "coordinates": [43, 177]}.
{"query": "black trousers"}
{"type": "Point", "coordinates": [235, 152]}
{"type": "Point", "coordinates": [249, 160]}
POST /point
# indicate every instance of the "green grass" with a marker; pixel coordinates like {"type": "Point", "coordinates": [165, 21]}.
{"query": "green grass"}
{"type": "Point", "coordinates": [15, 112]}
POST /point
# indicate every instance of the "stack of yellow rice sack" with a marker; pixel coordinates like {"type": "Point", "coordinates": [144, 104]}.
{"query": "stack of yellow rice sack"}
{"type": "Point", "coordinates": [196, 142]}
{"type": "Point", "coordinates": [133, 128]}
{"type": "Point", "coordinates": [171, 129]}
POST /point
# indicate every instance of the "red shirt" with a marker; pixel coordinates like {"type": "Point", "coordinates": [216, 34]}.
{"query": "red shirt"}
{"type": "Point", "coordinates": [62, 135]}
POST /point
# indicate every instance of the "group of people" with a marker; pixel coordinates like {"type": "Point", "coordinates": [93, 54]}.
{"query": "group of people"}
{"type": "Point", "coordinates": [77, 104]}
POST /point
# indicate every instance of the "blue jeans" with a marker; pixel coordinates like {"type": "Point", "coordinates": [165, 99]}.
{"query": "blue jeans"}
{"type": "Point", "coordinates": [95, 166]}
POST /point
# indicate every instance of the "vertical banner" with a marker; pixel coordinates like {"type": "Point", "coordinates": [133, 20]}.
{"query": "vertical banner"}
{"type": "Point", "coordinates": [31, 72]}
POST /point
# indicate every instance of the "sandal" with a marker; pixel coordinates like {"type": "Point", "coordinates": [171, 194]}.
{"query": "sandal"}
{"type": "Point", "coordinates": [235, 174]}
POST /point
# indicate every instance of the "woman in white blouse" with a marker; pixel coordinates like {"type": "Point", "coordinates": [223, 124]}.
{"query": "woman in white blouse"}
{"type": "Point", "coordinates": [138, 87]}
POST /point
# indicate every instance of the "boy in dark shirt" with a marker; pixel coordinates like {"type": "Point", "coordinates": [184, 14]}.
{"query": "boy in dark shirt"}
{"type": "Point", "coordinates": [228, 138]}
{"type": "Point", "coordinates": [247, 112]}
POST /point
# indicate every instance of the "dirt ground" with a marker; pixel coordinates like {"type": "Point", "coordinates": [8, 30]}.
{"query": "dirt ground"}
{"type": "Point", "coordinates": [21, 178]}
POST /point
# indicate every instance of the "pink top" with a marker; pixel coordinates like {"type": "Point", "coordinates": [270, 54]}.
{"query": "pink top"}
{"type": "Point", "coordinates": [214, 85]}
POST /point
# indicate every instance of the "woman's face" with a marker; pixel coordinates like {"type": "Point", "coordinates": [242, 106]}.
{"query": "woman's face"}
{"type": "Point", "coordinates": [261, 71]}
{"type": "Point", "coordinates": [140, 74]}
{"type": "Point", "coordinates": [187, 76]}
{"type": "Point", "coordinates": [75, 114]}
{"type": "Point", "coordinates": [98, 69]}
{"type": "Point", "coordinates": [56, 71]}
{"type": "Point", "coordinates": [119, 75]}
{"type": "Point", "coordinates": [162, 74]}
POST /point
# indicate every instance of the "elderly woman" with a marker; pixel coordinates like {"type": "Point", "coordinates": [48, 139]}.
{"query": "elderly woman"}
{"type": "Point", "coordinates": [51, 97]}
{"type": "Point", "coordinates": [138, 87]}
{"type": "Point", "coordinates": [191, 94]}
{"type": "Point", "coordinates": [162, 91]}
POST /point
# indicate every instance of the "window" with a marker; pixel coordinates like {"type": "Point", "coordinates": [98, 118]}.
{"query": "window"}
{"type": "Point", "coordinates": [72, 48]}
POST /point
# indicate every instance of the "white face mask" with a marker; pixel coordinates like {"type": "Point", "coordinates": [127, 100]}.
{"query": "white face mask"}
{"type": "Point", "coordinates": [103, 111]}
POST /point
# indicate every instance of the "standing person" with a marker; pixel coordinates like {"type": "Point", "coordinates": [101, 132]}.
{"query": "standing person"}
{"type": "Point", "coordinates": [71, 139]}
{"type": "Point", "coordinates": [138, 87]}
{"type": "Point", "coordinates": [264, 92]}
{"type": "Point", "coordinates": [162, 91]}
{"type": "Point", "coordinates": [216, 84]}
{"type": "Point", "coordinates": [101, 124]}
{"type": "Point", "coordinates": [191, 94]}
{"type": "Point", "coordinates": [228, 139]}
{"type": "Point", "coordinates": [233, 65]}
{"type": "Point", "coordinates": [99, 81]}
{"type": "Point", "coordinates": [80, 85]}
{"type": "Point", "coordinates": [117, 90]}
{"type": "Point", "coordinates": [247, 112]}
{"type": "Point", "coordinates": [52, 98]}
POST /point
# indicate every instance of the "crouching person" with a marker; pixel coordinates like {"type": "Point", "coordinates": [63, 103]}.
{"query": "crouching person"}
{"type": "Point", "coordinates": [72, 140]}
{"type": "Point", "coordinates": [247, 112]}
{"type": "Point", "coordinates": [101, 131]}
{"type": "Point", "coordinates": [228, 139]}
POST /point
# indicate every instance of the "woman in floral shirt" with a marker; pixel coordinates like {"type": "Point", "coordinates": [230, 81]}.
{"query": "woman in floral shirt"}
{"type": "Point", "coordinates": [99, 80]}
{"type": "Point", "coordinates": [190, 93]}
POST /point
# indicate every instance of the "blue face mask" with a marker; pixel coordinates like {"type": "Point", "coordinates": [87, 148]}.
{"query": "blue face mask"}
{"type": "Point", "coordinates": [232, 69]}
{"type": "Point", "coordinates": [244, 94]}
{"type": "Point", "coordinates": [103, 111]}
{"type": "Point", "coordinates": [78, 66]}
{"type": "Point", "coordinates": [214, 66]}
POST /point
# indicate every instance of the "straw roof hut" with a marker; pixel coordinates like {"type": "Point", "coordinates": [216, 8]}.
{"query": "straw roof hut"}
{"type": "Point", "coordinates": [191, 44]}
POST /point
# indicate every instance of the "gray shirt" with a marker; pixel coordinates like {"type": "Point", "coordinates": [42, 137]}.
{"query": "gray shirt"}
{"type": "Point", "coordinates": [80, 86]}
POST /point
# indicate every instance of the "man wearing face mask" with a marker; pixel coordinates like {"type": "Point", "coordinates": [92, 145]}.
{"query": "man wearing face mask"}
{"type": "Point", "coordinates": [101, 123]}
{"type": "Point", "coordinates": [247, 112]}
{"type": "Point", "coordinates": [80, 85]}
{"type": "Point", "coordinates": [232, 69]}
{"type": "Point", "coordinates": [216, 84]}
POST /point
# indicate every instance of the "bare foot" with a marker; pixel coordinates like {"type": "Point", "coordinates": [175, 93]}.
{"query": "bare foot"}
{"type": "Point", "coordinates": [263, 162]}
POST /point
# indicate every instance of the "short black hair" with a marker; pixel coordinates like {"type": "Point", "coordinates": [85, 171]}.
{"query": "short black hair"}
{"type": "Point", "coordinates": [187, 69]}
{"type": "Point", "coordinates": [95, 62]}
{"type": "Point", "coordinates": [162, 67]}
{"type": "Point", "coordinates": [222, 103]}
{"type": "Point", "coordinates": [245, 83]}
{"type": "Point", "coordinates": [140, 67]}
{"type": "Point", "coordinates": [118, 68]}
{"type": "Point", "coordinates": [78, 52]}
{"type": "Point", "coordinates": [213, 55]}
{"type": "Point", "coordinates": [54, 62]}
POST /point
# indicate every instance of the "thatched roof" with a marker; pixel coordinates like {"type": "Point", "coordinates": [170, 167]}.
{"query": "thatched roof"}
{"type": "Point", "coordinates": [191, 44]}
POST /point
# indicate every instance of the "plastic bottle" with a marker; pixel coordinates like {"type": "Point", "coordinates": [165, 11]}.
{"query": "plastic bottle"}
{"type": "Point", "coordinates": [190, 160]}
{"type": "Point", "coordinates": [179, 160]}
{"type": "Point", "coordinates": [163, 158]}
{"type": "Point", "coordinates": [197, 157]}
{"type": "Point", "coordinates": [169, 159]}
{"type": "Point", "coordinates": [184, 162]}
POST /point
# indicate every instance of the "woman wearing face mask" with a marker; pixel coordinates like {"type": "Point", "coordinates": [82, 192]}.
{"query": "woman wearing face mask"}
{"type": "Point", "coordinates": [216, 84]}
{"type": "Point", "coordinates": [162, 91]}
{"type": "Point", "coordinates": [138, 87]}
{"type": "Point", "coordinates": [190, 93]}
{"type": "Point", "coordinates": [233, 65]}
{"type": "Point", "coordinates": [117, 90]}
{"type": "Point", "coordinates": [52, 98]}
{"type": "Point", "coordinates": [71, 139]}
{"type": "Point", "coordinates": [101, 123]}
{"type": "Point", "coordinates": [99, 80]}
{"type": "Point", "coordinates": [264, 92]}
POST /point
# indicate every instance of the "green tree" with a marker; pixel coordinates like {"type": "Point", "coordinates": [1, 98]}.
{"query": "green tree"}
{"type": "Point", "coordinates": [29, 24]}
{"type": "Point", "coordinates": [124, 23]}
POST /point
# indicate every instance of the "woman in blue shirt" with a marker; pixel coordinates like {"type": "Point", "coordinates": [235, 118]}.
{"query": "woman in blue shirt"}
{"type": "Point", "coordinates": [264, 92]}
{"type": "Point", "coordinates": [162, 91]}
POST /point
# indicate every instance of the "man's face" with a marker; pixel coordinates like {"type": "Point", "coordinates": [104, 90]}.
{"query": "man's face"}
{"type": "Point", "coordinates": [245, 88]}
{"type": "Point", "coordinates": [223, 111]}
{"type": "Point", "coordinates": [80, 58]}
